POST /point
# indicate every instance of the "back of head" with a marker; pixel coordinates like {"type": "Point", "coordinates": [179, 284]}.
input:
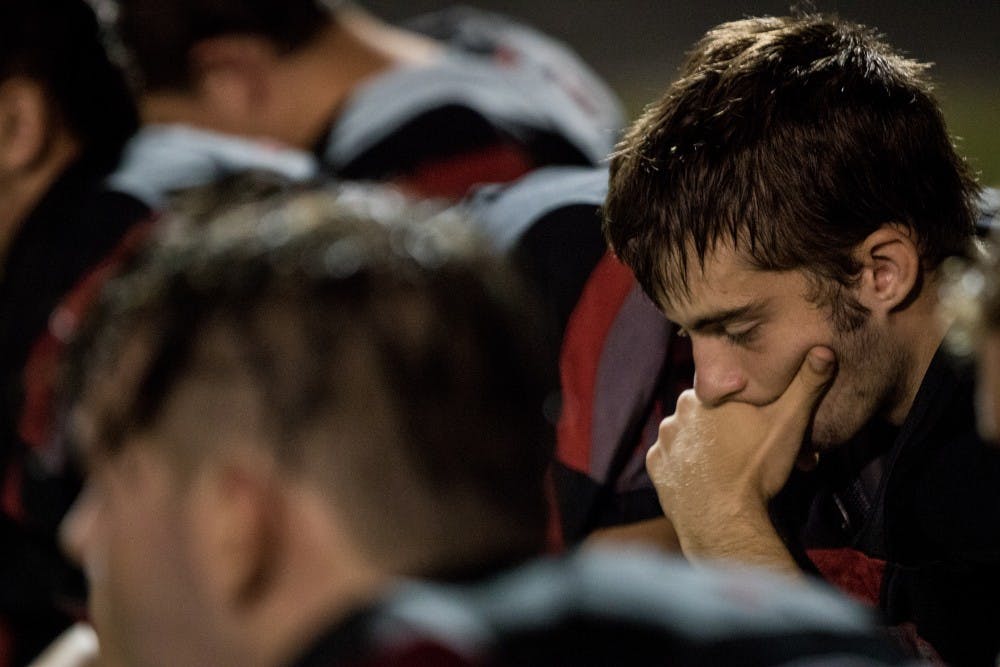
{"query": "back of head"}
{"type": "Point", "coordinates": [793, 139]}
{"type": "Point", "coordinates": [58, 44]}
{"type": "Point", "coordinates": [158, 35]}
{"type": "Point", "coordinates": [391, 360]}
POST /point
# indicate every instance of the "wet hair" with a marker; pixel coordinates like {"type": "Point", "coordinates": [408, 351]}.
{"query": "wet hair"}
{"type": "Point", "coordinates": [393, 360]}
{"type": "Point", "coordinates": [792, 139]}
{"type": "Point", "coordinates": [58, 44]}
{"type": "Point", "coordinates": [158, 35]}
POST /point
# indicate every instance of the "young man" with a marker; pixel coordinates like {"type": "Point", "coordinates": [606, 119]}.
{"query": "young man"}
{"type": "Point", "coordinates": [621, 362]}
{"type": "Point", "coordinates": [788, 203]}
{"type": "Point", "coordinates": [461, 98]}
{"type": "Point", "coordinates": [285, 406]}
{"type": "Point", "coordinates": [280, 408]}
{"type": "Point", "coordinates": [65, 112]}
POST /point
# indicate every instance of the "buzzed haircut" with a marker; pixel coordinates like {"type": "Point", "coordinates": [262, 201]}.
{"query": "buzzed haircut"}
{"type": "Point", "coordinates": [393, 361]}
{"type": "Point", "coordinates": [792, 139]}
{"type": "Point", "coordinates": [59, 45]}
{"type": "Point", "coordinates": [158, 35]}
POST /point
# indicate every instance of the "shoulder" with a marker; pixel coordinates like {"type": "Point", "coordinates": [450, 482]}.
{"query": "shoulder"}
{"type": "Point", "coordinates": [498, 79]}
{"type": "Point", "coordinates": [163, 159]}
{"type": "Point", "coordinates": [640, 608]}
{"type": "Point", "coordinates": [506, 212]}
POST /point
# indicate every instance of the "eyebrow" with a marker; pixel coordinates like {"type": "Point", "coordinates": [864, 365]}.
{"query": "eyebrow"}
{"type": "Point", "coordinates": [724, 317]}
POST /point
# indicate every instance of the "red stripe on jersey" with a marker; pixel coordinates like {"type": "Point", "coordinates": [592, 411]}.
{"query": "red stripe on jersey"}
{"type": "Point", "coordinates": [418, 653]}
{"type": "Point", "coordinates": [42, 367]}
{"type": "Point", "coordinates": [452, 177]}
{"type": "Point", "coordinates": [583, 343]}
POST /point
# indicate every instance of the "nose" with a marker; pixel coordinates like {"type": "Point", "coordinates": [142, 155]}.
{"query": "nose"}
{"type": "Point", "coordinates": [77, 525]}
{"type": "Point", "coordinates": [718, 375]}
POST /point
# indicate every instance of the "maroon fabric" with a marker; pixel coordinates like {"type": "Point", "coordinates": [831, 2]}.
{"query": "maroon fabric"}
{"type": "Point", "coordinates": [421, 653]}
{"type": "Point", "coordinates": [41, 369]}
{"type": "Point", "coordinates": [452, 177]}
{"type": "Point", "coordinates": [858, 575]}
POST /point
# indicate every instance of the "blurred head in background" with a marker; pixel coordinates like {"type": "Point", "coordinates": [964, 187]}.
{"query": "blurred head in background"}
{"type": "Point", "coordinates": [970, 300]}
{"type": "Point", "coordinates": [61, 100]}
{"type": "Point", "coordinates": [285, 403]}
{"type": "Point", "coordinates": [272, 69]}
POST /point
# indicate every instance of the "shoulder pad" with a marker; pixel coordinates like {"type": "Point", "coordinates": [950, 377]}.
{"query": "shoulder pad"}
{"type": "Point", "coordinates": [506, 212]}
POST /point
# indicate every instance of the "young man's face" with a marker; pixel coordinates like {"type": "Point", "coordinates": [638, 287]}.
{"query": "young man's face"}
{"type": "Point", "coordinates": [142, 527]}
{"type": "Point", "coordinates": [128, 531]}
{"type": "Point", "coordinates": [750, 331]}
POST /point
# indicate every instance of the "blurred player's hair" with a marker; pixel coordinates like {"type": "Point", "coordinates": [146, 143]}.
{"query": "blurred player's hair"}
{"type": "Point", "coordinates": [393, 360]}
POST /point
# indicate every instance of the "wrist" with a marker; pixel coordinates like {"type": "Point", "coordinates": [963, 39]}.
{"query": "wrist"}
{"type": "Point", "coordinates": [740, 534]}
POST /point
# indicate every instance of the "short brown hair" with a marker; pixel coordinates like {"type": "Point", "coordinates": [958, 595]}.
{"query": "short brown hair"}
{"type": "Point", "coordinates": [393, 358]}
{"type": "Point", "coordinates": [793, 139]}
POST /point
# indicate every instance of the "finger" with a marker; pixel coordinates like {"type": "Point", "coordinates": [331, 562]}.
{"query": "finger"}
{"type": "Point", "coordinates": [808, 385]}
{"type": "Point", "coordinates": [655, 460]}
{"type": "Point", "coordinates": [686, 402]}
{"type": "Point", "coordinates": [667, 431]}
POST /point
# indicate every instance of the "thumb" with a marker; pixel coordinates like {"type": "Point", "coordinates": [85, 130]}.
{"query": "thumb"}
{"type": "Point", "coordinates": [809, 384]}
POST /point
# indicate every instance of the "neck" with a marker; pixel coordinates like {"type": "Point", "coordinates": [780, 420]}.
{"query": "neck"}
{"type": "Point", "coordinates": [21, 192]}
{"type": "Point", "coordinates": [920, 323]}
{"type": "Point", "coordinates": [318, 581]}
{"type": "Point", "coordinates": [354, 49]}
{"type": "Point", "coordinates": [308, 86]}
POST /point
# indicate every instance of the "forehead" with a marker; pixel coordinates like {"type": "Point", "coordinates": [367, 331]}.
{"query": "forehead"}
{"type": "Point", "coordinates": [725, 281]}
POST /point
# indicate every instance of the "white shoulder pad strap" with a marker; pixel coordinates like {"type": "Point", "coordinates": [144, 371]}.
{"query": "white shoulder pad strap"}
{"type": "Point", "coordinates": [505, 212]}
{"type": "Point", "coordinates": [512, 98]}
{"type": "Point", "coordinates": [161, 159]}
{"type": "Point", "coordinates": [510, 41]}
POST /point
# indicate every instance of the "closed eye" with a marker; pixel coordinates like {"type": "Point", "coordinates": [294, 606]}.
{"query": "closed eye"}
{"type": "Point", "coordinates": [741, 337]}
{"type": "Point", "coordinates": [734, 338]}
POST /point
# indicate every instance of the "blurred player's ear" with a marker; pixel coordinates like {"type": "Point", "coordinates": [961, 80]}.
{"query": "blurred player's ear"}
{"type": "Point", "coordinates": [24, 124]}
{"type": "Point", "coordinates": [236, 514]}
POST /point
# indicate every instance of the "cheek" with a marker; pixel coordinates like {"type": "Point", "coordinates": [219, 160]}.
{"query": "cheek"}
{"type": "Point", "coordinates": [772, 366]}
{"type": "Point", "coordinates": [837, 398]}
{"type": "Point", "coordinates": [134, 575]}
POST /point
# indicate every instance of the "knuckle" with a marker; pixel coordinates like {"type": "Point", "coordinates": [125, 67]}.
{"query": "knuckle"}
{"type": "Point", "coordinates": [667, 427]}
{"type": "Point", "coordinates": [655, 462]}
{"type": "Point", "coordinates": [687, 401]}
{"type": "Point", "coordinates": [654, 454]}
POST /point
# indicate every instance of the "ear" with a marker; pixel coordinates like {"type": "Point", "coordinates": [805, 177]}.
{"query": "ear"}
{"type": "Point", "coordinates": [232, 75]}
{"type": "Point", "coordinates": [891, 269]}
{"type": "Point", "coordinates": [237, 511]}
{"type": "Point", "coordinates": [24, 124]}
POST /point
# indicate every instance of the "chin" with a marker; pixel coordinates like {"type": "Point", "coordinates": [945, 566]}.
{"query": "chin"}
{"type": "Point", "coordinates": [829, 434]}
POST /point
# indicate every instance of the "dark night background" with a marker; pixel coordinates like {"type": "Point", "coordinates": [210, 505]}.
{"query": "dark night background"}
{"type": "Point", "coordinates": [638, 44]}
